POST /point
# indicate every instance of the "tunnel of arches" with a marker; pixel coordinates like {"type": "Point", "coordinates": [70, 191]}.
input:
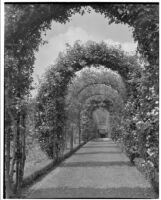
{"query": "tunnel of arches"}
{"type": "Point", "coordinates": [68, 97]}
{"type": "Point", "coordinates": [22, 39]}
{"type": "Point", "coordinates": [95, 86]}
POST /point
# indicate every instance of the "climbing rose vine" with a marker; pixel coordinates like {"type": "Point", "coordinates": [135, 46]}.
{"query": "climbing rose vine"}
{"type": "Point", "coordinates": [24, 24]}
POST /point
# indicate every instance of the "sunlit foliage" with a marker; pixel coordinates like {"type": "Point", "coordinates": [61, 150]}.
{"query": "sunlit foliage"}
{"type": "Point", "coordinates": [24, 24]}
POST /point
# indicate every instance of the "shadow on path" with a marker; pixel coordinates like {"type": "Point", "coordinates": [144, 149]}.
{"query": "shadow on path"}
{"type": "Point", "coordinates": [100, 152]}
{"type": "Point", "coordinates": [96, 164]}
{"type": "Point", "coordinates": [96, 146]}
{"type": "Point", "coordinates": [98, 170]}
{"type": "Point", "coordinates": [114, 193]}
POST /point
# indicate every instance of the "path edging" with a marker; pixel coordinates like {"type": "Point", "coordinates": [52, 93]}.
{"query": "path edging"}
{"type": "Point", "coordinates": [44, 170]}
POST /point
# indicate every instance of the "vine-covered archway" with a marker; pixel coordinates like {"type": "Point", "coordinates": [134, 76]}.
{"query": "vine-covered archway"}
{"type": "Point", "coordinates": [54, 89]}
{"type": "Point", "coordinates": [22, 39]}
{"type": "Point", "coordinates": [93, 85]}
{"type": "Point", "coordinates": [96, 76]}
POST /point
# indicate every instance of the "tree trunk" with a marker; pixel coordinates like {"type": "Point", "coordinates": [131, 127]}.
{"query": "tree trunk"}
{"type": "Point", "coordinates": [8, 186]}
{"type": "Point", "coordinates": [23, 158]}
{"type": "Point", "coordinates": [12, 170]}
{"type": "Point", "coordinates": [9, 120]}
{"type": "Point", "coordinates": [18, 155]}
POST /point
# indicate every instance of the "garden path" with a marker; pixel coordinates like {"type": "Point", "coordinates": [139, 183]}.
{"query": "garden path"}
{"type": "Point", "coordinates": [98, 170]}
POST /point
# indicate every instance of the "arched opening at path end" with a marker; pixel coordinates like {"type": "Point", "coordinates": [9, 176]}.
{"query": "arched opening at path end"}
{"type": "Point", "coordinates": [101, 118]}
{"type": "Point", "coordinates": [95, 96]}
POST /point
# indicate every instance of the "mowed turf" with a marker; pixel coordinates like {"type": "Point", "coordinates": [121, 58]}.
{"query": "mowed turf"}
{"type": "Point", "coordinates": [98, 170]}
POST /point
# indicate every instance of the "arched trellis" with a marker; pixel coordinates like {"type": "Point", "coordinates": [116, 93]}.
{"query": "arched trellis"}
{"type": "Point", "coordinates": [97, 79]}
{"type": "Point", "coordinates": [97, 98]}
{"type": "Point", "coordinates": [120, 13]}
{"type": "Point", "coordinates": [102, 98]}
{"type": "Point", "coordinates": [25, 35]}
{"type": "Point", "coordinates": [96, 84]}
{"type": "Point", "coordinates": [101, 89]}
{"type": "Point", "coordinates": [59, 89]}
{"type": "Point", "coordinates": [99, 76]}
{"type": "Point", "coordinates": [94, 103]}
{"type": "Point", "coordinates": [108, 93]}
{"type": "Point", "coordinates": [90, 87]}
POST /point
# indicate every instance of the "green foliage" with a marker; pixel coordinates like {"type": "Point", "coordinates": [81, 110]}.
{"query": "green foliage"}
{"type": "Point", "coordinates": [95, 76]}
{"type": "Point", "coordinates": [24, 24]}
{"type": "Point", "coordinates": [139, 128]}
{"type": "Point", "coordinates": [143, 18]}
{"type": "Point", "coordinates": [50, 114]}
{"type": "Point", "coordinates": [53, 90]}
{"type": "Point", "coordinates": [92, 53]}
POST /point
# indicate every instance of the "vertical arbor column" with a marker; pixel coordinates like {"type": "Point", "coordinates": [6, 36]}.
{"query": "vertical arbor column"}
{"type": "Point", "coordinates": [7, 165]}
{"type": "Point", "coordinates": [71, 139]}
{"type": "Point", "coordinates": [79, 128]}
{"type": "Point", "coordinates": [18, 154]}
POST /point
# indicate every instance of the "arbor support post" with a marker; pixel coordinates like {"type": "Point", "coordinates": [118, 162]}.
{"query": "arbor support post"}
{"type": "Point", "coordinates": [71, 139]}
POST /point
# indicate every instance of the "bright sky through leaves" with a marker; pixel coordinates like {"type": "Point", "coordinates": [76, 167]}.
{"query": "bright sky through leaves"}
{"type": "Point", "coordinates": [91, 26]}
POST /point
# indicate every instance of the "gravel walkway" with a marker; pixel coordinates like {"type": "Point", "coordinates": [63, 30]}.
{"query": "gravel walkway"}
{"type": "Point", "coordinates": [98, 170]}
